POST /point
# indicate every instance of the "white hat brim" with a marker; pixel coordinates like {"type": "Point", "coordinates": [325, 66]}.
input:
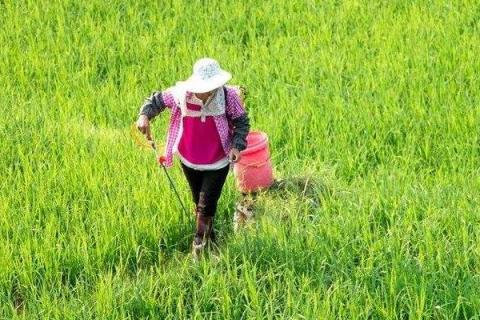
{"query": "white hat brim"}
{"type": "Point", "coordinates": [196, 85]}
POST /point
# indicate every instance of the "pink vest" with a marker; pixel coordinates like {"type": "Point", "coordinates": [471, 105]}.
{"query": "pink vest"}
{"type": "Point", "coordinates": [232, 109]}
{"type": "Point", "coordinates": [200, 143]}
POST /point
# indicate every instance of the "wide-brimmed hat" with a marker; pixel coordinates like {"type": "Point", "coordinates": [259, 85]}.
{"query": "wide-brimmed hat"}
{"type": "Point", "coordinates": [207, 75]}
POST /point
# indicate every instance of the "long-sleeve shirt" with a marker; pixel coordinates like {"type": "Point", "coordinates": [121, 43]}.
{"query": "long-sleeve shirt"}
{"type": "Point", "coordinates": [227, 110]}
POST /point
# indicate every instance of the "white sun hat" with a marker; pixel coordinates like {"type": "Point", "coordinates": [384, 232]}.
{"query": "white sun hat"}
{"type": "Point", "coordinates": [207, 75]}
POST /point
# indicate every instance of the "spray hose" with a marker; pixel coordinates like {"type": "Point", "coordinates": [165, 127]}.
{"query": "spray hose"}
{"type": "Point", "coordinates": [153, 146]}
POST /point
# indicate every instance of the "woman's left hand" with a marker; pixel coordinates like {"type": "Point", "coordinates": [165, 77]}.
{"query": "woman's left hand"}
{"type": "Point", "coordinates": [234, 155]}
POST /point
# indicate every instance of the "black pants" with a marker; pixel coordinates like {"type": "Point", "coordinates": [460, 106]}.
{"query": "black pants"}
{"type": "Point", "coordinates": [206, 187]}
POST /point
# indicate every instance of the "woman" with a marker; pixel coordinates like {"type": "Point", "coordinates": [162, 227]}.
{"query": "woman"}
{"type": "Point", "coordinates": [208, 129]}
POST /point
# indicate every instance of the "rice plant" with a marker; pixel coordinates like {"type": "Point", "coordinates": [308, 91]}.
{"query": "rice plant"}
{"type": "Point", "coordinates": [377, 101]}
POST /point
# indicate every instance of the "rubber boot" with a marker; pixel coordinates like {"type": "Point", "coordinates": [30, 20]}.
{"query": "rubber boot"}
{"type": "Point", "coordinates": [212, 232]}
{"type": "Point", "coordinates": [203, 234]}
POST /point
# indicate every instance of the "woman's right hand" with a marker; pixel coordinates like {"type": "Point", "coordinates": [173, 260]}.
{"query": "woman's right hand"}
{"type": "Point", "coordinates": [143, 124]}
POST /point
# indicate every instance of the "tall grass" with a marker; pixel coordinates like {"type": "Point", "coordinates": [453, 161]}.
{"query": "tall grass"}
{"type": "Point", "coordinates": [378, 99]}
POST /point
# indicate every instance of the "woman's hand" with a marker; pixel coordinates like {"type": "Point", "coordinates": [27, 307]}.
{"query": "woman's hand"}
{"type": "Point", "coordinates": [234, 155]}
{"type": "Point", "coordinates": [143, 124]}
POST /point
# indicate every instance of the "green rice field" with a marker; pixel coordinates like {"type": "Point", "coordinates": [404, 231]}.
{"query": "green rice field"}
{"type": "Point", "coordinates": [375, 102]}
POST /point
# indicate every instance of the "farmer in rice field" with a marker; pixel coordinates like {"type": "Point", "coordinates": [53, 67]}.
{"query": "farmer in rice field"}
{"type": "Point", "coordinates": [208, 129]}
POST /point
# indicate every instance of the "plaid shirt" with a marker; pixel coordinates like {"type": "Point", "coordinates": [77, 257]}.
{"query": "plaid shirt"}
{"type": "Point", "coordinates": [232, 126]}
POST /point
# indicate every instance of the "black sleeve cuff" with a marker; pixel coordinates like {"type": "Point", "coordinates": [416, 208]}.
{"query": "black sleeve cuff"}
{"type": "Point", "coordinates": [153, 105]}
{"type": "Point", "coordinates": [241, 127]}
